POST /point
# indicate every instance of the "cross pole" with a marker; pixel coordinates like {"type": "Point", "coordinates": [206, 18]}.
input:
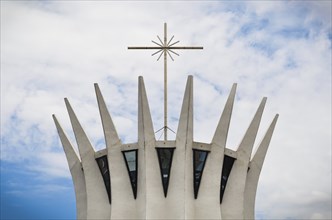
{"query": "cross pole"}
{"type": "Point", "coordinates": [165, 48]}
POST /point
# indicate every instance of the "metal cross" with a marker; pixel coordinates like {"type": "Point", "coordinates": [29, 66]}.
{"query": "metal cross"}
{"type": "Point", "coordinates": [165, 48]}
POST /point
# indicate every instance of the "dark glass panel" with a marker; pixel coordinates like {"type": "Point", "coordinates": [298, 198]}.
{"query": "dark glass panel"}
{"type": "Point", "coordinates": [104, 170]}
{"type": "Point", "coordinates": [131, 163]}
{"type": "Point", "coordinates": [199, 159]}
{"type": "Point", "coordinates": [226, 170]}
{"type": "Point", "coordinates": [165, 156]}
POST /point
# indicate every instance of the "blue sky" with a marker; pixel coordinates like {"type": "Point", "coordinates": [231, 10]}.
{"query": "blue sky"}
{"type": "Point", "coordinates": [56, 49]}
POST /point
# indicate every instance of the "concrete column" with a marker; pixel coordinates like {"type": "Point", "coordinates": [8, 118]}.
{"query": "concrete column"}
{"type": "Point", "coordinates": [233, 201]}
{"type": "Point", "coordinates": [256, 165]}
{"type": "Point", "coordinates": [121, 192]}
{"type": "Point", "coordinates": [98, 206]}
{"type": "Point", "coordinates": [210, 184]}
{"type": "Point", "coordinates": [76, 171]}
{"type": "Point", "coordinates": [182, 172]}
{"type": "Point", "coordinates": [111, 136]}
{"type": "Point", "coordinates": [150, 188]}
{"type": "Point", "coordinates": [221, 133]}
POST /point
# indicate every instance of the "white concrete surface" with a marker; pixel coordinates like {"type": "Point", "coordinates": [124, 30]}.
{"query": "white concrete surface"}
{"type": "Point", "coordinates": [76, 171]}
{"type": "Point", "coordinates": [210, 184]}
{"type": "Point", "coordinates": [233, 200]}
{"type": "Point", "coordinates": [256, 165]}
{"type": "Point", "coordinates": [98, 206]}
{"type": "Point", "coordinates": [150, 203]}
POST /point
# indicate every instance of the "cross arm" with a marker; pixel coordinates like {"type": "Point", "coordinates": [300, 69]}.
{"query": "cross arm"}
{"type": "Point", "coordinates": [146, 48]}
{"type": "Point", "coordinates": [168, 48]}
{"type": "Point", "coordinates": [174, 48]}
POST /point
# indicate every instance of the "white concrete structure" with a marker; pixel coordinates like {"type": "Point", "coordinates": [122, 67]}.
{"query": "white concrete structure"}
{"type": "Point", "coordinates": [173, 179]}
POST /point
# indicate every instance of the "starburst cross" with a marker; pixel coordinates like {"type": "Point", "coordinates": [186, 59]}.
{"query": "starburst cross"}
{"type": "Point", "coordinates": [165, 48]}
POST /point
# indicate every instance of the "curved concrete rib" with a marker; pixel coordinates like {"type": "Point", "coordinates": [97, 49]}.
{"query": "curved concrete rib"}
{"type": "Point", "coordinates": [183, 156]}
{"type": "Point", "coordinates": [98, 206]}
{"type": "Point", "coordinates": [255, 170]}
{"type": "Point", "coordinates": [146, 145]}
{"type": "Point", "coordinates": [76, 171]}
{"type": "Point", "coordinates": [145, 126]}
{"type": "Point", "coordinates": [220, 136]}
{"type": "Point", "coordinates": [233, 201]}
{"type": "Point", "coordinates": [210, 187]}
{"type": "Point", "coordinates": [111, 136]}
{"type": "Point", "coordinates": [185, 127]}
{"type": "Point", "coordinates": [247, 143]}
{"type": "Point", "coordinates": [155, 202]}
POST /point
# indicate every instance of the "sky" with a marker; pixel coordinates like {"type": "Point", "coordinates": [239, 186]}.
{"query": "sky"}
{"type": "Point", "coordinates": [56, 49]}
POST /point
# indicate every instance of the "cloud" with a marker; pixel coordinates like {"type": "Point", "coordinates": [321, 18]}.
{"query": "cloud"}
{"type": "Point", "coordinates": [282, 50]}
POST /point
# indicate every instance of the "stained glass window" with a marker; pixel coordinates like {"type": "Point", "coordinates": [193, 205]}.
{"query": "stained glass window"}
{"type": "Point", "coordinates": [131, 163]}
{"type": "Point", "coordinates": [165, 156]}
{"type": "Point", "coordinates": [226, 170]}
{"type": "Point", "coordinates": [104, 170]}
{"type": "Point", "coordinates": [199, 159]}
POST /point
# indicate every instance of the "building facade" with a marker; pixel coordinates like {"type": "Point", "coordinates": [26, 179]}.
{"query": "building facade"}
{"type": "Point", "coordinates": [172, 179]}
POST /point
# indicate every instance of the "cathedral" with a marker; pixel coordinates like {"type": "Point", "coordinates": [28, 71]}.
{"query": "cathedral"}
{"type": "Point", "coordinates": [166, 179]}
